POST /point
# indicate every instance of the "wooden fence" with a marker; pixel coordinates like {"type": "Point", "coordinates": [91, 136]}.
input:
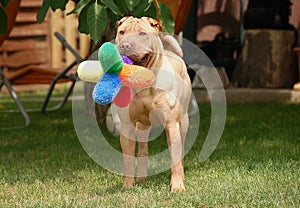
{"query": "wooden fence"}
{"type": "Point", "coordinates": [66, 25]}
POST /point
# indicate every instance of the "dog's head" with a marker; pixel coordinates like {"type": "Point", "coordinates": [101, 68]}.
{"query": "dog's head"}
{"type": "Point", "coordinates": [139, 40]}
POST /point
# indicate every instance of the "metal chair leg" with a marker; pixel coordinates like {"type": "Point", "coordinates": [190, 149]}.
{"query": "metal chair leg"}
{"type": "Point", "coordinates": [51, 88]}
{"type": "Point", "coordinates": [15, 97]}
{"type": "Point", "coordinates": [59, 105]}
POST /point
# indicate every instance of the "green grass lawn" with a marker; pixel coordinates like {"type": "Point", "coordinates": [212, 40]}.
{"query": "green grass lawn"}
{"type": "Point", "coordinates": [256, 164]}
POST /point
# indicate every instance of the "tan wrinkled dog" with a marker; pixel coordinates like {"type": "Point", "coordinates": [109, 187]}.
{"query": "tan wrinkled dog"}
{"type": "Point", "coordinates": [166, 101]}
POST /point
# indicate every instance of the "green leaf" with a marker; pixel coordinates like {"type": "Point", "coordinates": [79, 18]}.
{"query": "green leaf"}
{"type": "Point", "coordinates": [112, 6]}
{"type": "Point", "coordinates": [142, 7]}
{"type": "Point", "coordinates": [82, 21]}
{"type": "Point", "coordinates": [4, 21]}
{"type": "Point", "coordinates": [79, 6]}
{"type": "Point", "coordinates": [41, 14]}
{"type": "Point", "coordinates": [112, 17]}
{"type": "Point", "coordinates": [97, 21]}
{"type": "Point", "coordinates": [121, 4]}
{"type": "Point", "coordinates": [4, 3]}
{"type": "Point", "coordinates": [58, 4]}
{"type": "Point", "coordinates": [150, 12]}
{"type": "Point", "coordinates": [166, 18]}
{"type": "Point", "coordinates": [131, 4]}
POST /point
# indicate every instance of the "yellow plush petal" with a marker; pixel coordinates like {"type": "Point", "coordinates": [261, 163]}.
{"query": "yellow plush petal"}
{"type": "Point", "coordinates": [90, 71]}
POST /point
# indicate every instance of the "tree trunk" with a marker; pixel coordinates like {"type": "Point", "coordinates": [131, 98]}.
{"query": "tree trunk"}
{"type": "Point", "coordinates": [267, 60]}
{"type": "Point", "coordinates": [100, 110]}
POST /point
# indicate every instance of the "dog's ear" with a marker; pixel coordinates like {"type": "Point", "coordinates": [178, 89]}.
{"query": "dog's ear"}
{"type": "Point", "coordinates": [171, 44]}
{"type": "Point", "coordinates": [122, 20]}
{"type": "Point", "coordinates": [154, 23]}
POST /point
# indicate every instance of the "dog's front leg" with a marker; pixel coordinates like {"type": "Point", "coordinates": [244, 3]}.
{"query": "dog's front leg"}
{"type": "Point", "coordinates": [127, 140]}
{"type": "Point", "coordinates": [142, 134]}
{"type": "Point", "coordinates": [176, 149]}
{"type": "Point", "coordinates": [184, 125]}
{"type": "Point", "coordinates": [128, 148]}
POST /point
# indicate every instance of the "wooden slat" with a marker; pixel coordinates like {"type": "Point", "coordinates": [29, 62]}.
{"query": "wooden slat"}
{"type": "Point", "coordinates": [16, 45]}
{"type": "Point", "coordinates": [34, 75]}
{"type": "Point", "coordinates": [26, 17]}
{"type": "Point", "coordinates": [56, 25]}
{"type": "Point", "coordinates": [29, 30]}
{"type": "Point", "coordinates": [31, 3]}
{"type": "Point", "coordinates": [84, 45]}
{"type": "Point", "coordinates": [70, 32]}
{"type": "Point", "coordinates": [23, 58]}
{"type": "Point", "coordinates": [12, 71]}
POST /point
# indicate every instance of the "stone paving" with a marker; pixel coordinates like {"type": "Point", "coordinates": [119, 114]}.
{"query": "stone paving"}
{"type": "Point", "coordinates": [246, 95]}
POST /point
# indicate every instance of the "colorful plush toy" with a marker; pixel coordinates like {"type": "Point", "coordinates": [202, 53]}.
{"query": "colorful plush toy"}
{"type": "Point", "coordinates": [115, 76]}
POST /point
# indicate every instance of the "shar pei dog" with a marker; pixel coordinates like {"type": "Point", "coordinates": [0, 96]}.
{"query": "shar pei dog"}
{"type": "Point", "coordinates": [165, 102]}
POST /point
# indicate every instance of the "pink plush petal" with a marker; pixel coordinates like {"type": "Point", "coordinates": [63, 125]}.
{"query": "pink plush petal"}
{"type": "Point", "coordinates": [123, 98]}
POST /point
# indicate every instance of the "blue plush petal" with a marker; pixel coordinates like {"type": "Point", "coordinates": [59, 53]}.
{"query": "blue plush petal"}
{"type": "Point", "coordinates": [107, 88]}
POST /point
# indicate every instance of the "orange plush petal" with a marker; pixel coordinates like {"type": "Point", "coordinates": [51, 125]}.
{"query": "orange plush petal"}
{"type": "Point", "coordinates": [136, 76]}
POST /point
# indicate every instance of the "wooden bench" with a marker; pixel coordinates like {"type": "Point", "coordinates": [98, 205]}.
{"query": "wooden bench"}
{"type": "Point", "coordinates": [25, 56]}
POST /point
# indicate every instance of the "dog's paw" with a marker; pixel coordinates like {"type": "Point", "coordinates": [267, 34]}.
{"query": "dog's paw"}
{"type": "Point", "coordinates": [177, 187]}
{"type": "Point", "coordinates": [177, 184]}
{"type": "Point", "coordinates": [141, 179]}
{"type": "Point", "coordinates": [128, 182]}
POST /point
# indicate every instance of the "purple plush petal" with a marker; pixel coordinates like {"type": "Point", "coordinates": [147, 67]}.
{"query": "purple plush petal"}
{"type": "Point", "coordinates": [127, 60]}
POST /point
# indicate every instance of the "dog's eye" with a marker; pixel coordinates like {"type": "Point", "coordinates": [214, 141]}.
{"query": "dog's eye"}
{"type": "Point", "coordinates": [142, 33]}
{"type": "Point", "coordinates": [121, 32]}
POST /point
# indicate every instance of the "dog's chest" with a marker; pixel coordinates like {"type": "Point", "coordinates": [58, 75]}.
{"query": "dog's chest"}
{"type": "Point", "coordinates": [148, 99]}
{"type": "Point", "coordinates": [161, 97]}
{"type": "Point", "coordinates": [152, 105]}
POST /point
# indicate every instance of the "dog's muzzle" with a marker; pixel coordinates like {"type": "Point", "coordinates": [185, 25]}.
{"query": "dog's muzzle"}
{"type": "Point", "coordinates": [128, 49]}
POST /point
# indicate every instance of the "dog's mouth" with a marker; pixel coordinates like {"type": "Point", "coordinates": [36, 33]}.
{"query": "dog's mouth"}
{"type": "Point", "coordinates": [141, 60]}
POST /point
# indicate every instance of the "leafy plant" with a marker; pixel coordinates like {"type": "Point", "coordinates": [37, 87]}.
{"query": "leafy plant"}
{"type": "Point", "coordinates": [3, 16]}
{"type": "Point", "coordinates": [93, 14]}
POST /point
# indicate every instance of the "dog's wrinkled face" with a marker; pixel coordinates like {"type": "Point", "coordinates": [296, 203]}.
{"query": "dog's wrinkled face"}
{"type": "Point", "coordinates": [139, 40]}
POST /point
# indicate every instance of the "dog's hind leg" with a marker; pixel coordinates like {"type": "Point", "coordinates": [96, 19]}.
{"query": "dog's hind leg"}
{"type": "Point", "coordinates": [175, 148]}
{"type": "Point", "coordinates": [142, 133]}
